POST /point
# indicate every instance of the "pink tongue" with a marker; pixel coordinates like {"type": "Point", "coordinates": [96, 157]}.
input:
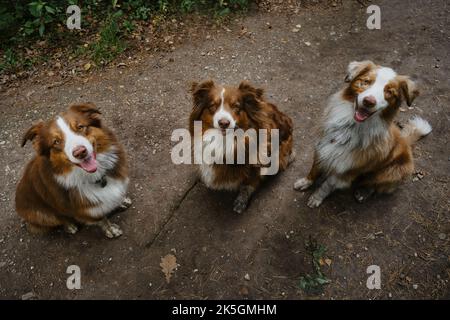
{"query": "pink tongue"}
{"type": "Point", "coordinates": [89, 164]}
{"type": "Point", "coordinates": [360, 115]}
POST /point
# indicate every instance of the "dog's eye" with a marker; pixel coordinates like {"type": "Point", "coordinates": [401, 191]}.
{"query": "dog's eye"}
{"type": "Point", "coordinates": [236, 106]}
{"type": "Point", "coordinates": [56, 142]}
{"type": "Point", "coordinates": [212, 108]}
{"type": "Point", "coordinates": [81, 127]}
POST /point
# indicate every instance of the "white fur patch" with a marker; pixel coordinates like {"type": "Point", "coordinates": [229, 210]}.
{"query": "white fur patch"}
{"type": "Point", "coordinates": [383, 76]}
{"type": "Point", "coordinates": [214, 140]}
{"type": "Point", "coordinates": [105, 199]}
{"type": "Point", "coordinates": [421, 125]}
{"type": "Point", "coordinates": [223, 114]}
{"type": "Point", "coordinates": [73, 140]}
{"type": "Point", "coordinates": [342, 134]}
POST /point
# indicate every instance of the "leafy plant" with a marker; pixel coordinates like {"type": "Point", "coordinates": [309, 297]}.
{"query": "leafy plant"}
{"type": "Point", "coordinates": [110, 43]}
{"type": "Point", "coordinates": [43, 14]}
{"type": "Point", "coordinates": [314, 283]}
{"type": "Point", "coordinates": [9, 60]}
{"type": "Point", "coordinates": [24, 21]}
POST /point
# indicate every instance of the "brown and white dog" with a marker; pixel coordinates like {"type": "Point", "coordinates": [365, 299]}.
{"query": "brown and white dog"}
{"type": "Point", "coordinates": [359, 141]}
{"type": "Point", "coordinates": [224, 109]}
{"type": "Point", "coordinates": [79, 173]}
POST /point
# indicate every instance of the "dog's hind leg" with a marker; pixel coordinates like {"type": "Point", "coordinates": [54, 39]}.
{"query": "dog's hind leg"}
{"type": "Point", "coordinates": [40, 221]}
{"type": "Point", "coordinates": [387, 179]}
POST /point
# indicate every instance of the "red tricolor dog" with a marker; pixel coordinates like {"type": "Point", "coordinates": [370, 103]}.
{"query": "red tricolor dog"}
{"type": "Point", "coordinates": [224, 109]}
{"type": "Point", "coordinates": [79, 173]}
{"type": "Point", "coordinates": [359, 142]}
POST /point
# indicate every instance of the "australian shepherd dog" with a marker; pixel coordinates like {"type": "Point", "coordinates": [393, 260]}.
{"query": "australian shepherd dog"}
{"type": "Point", "coordinates": [223, 110]}
{"type": "Point", "coordinates": [359, 143]}
{"type": "Point", "coordinates": [78, 175]}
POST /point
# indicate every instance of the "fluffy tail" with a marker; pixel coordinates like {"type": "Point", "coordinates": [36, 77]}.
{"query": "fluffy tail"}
{"type": "Point", "coordinates": [415, 129]}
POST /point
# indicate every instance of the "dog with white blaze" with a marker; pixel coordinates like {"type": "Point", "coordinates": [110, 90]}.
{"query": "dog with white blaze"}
{"type": "Point", "coordinates": [359, 142]}
{"type": "Point", "coordinates": [79, 174]}
{"type": "Point", "coordinates": [224, 111]}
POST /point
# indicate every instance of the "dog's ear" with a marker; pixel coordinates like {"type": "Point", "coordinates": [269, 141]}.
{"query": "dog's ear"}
{"type": "Point", "coordinates": [408, 89]}
{"type": "Point", "coordinates": [250, 95]}
{"type": "Point", "coordinates": [246, 88]}
{"type": "Point", "coordinates": [32, 132]}
{"type": "Point", "coordinates": [251, 98]}
{"type": "Point", "coordinates": [357, 68]}
{"type": "Point", "coordinates": [201, 97]}
{"type": "Point", "coordinates": [200, 91]}
{"type": "Point", "coordinates": [89, 111]}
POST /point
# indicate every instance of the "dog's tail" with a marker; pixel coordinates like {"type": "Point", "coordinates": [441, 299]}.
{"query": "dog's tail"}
{"type": "Point", "coordinates": [415, 129]}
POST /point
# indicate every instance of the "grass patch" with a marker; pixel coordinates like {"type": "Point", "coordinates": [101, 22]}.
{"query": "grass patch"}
{"type": "Point", "coordinates": [110, 43]}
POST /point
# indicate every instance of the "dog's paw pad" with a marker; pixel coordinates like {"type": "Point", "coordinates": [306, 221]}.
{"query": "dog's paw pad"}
{"type": "Point", "coordinates": [302, 184]}
{"type": "Point", "coordinates": [362, 195]}
{"type": "Point", "coordinates": [314, 202]}
{"type": "Point", "coordinates": [126, 203]}
{"type": "Point", "coordinates": [70, 228]}
{"type": "Point", "coordinates": [113, 231]}
{"type": "Point", "coordinates": [359, 197]}
{"type": "Point", "coordinates": [239, 206]}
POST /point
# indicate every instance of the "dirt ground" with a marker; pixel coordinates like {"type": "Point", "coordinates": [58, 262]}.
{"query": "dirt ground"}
{"type": "Point", "coordinates": [259, 254]}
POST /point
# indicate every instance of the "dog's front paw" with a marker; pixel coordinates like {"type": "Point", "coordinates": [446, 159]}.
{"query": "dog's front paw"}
{"type": "Point", "coordinates": [302, 184]}
{"type": "Point", "coordinates": [239, 205]}
{"type": "Point", "coordinates": [126, 203]}
{"type": "Point", "coordinates": [70, 228]}
{"type": "Point", "coordinates": [314, 201]}
{"type": "Point", "coordinates": [112, 231]}
{"type": "Point", "coordinates": [362, 195]}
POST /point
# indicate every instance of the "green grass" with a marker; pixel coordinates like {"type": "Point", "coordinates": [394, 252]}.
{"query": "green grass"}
{"type": "Point", "coordinates": [110, 44]}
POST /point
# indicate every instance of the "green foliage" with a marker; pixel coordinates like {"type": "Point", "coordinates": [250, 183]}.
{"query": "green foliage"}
{"type": "Point", "coordinates": [110, 43]}
{"type": "Point", "coordinates": [42, 14]}
{"type": "Point", "coordinates": [24, 21]}
{"type": "Point", "coordinates": [9, 61]}
{"type": "Point", "coordinates": [314, 283]}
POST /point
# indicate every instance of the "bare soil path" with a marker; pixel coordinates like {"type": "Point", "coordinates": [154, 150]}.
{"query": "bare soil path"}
{"type": "Point", "coordinates": [406, 234]}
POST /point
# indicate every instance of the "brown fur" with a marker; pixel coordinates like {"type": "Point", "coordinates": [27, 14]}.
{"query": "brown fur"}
{"type": "Point", "coordinates": [40, 200]}
{"type": "Point", "coordinates": [250, 110]}
{"type": "Point", "coordinates": [389, 160]}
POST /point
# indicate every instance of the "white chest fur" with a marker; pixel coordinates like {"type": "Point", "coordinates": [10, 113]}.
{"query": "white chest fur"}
{"type": "Point", "coordinates": [103, 199]}
{"type": "Point", "coordinates": [214, 151]}
{"type": "Point", "coordinates": [342, 135]}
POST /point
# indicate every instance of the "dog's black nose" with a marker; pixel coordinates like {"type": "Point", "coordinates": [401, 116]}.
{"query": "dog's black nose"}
{"type": "Point", "coordinates": [369, 101]}
{"type": "Point", "coordinates": [224, 123]}
{"type": "Point", "coordinates": [80, 152]}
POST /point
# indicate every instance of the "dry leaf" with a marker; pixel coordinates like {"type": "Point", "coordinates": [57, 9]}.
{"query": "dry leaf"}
{"type": "Point", "coordinates": [168, 266]}
{"type": "Point", "coordinates": [328, 262]}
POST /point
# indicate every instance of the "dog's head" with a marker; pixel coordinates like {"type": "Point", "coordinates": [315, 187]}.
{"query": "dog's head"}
{"type": "Point", "coordinates": [376, 89]}
{"type": "Point", "coordinates": [70, 139]}
{"type": "Point", "coordinates": [225, 108]}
